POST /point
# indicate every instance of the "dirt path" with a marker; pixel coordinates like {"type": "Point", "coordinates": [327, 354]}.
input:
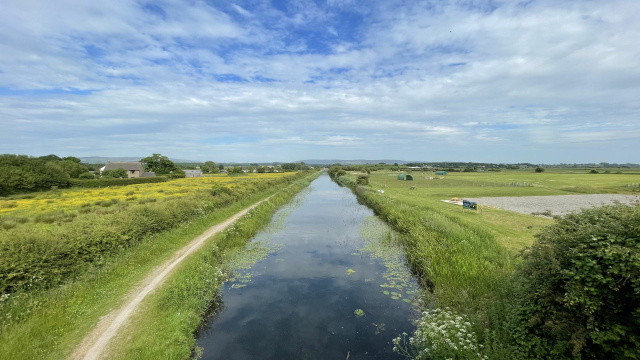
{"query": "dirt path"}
{"type": "Point", "coordinates": [93, 345]}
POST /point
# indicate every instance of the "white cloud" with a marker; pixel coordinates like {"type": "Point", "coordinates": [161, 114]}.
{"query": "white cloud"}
{"type": "Point", "coordinates": [294, 81]}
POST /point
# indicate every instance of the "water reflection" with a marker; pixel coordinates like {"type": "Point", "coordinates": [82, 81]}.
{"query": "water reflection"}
{"type": "Point", "coordinates": [301, 300]}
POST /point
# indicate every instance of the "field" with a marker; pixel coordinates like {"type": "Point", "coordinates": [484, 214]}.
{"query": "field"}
{"type": "Point", "coordinates": [512, 230]}
{"type": "Point", "coordinates": [72, 200]}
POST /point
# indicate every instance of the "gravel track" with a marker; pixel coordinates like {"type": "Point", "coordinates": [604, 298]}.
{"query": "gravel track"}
{"type": "Point", "coordinates": [95, 343]}
{"type": "Point", "coordinates": [557, 204]}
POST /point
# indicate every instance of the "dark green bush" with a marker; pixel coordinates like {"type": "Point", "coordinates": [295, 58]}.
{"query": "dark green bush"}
{"type": "Point", "coordinates": [578, 290]}
{"type": "Point", "coordinates": [362, 180]}
{"type": "Point", "coordinates": [219, 189]}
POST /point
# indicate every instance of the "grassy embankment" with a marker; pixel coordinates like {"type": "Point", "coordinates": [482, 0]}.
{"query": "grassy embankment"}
{"type": "Point", "coordinates": [464, 257]}
{"type": "Point", "coordinates": [165, 326]}
{"type": "Point", "coordinates": [46, 308]}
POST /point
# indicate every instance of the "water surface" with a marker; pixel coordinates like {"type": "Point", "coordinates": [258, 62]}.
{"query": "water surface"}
{"type": "Point", "coordinates": [330, 284]}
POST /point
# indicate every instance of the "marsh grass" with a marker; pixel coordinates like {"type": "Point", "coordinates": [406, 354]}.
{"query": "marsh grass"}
{"type": "Point", "coordinates": [458, 265]}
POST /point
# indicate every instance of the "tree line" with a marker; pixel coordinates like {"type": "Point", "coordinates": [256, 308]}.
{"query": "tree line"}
{"type": "Point", "coordinates": [21, 173]}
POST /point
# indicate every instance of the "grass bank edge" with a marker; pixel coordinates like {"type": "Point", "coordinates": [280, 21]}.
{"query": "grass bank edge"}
{"type": "Point", "coordinates": [49, 323]}
{"type": "Point", "coordinates": [459, 264]}
{"type": "Point", "coordinates": [169, 318]}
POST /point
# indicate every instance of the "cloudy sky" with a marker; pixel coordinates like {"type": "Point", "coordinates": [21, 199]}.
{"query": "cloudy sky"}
{"type": "Point", "coordinates": [274, 80]}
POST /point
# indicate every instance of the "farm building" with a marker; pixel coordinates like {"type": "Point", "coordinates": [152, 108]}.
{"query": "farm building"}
{"type": "Point", "coordinates": [406, 177]}
{"type": "Point", "coordinates": [192, 173]}
{"type": "Point", "coordinates": [441, 173]}
{"type": "Point", "coordinates": [134, 169]}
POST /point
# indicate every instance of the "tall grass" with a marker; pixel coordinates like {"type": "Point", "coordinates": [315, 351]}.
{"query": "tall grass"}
{"type": "Point", "coordinates": [460, 266]}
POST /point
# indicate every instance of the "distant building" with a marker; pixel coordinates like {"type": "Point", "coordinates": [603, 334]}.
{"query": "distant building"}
{"type": "Point", "coordinates": [134, 169]}
{"type": "Point", "coordinates": [192, 173]}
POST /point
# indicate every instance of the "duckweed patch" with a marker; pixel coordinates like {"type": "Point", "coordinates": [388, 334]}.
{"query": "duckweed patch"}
{"type": "Point", "coordinates": [381, 243]}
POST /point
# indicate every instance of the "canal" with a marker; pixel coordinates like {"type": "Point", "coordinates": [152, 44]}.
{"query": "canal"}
{"type": "Point", "coordinates": [325, 280]}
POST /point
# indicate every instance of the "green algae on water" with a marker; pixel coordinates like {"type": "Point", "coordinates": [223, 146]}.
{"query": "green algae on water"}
{"type": "Point", "coordinates": [381, 243]}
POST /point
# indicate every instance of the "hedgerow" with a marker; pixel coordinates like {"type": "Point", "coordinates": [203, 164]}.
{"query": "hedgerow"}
{"type": "Point", "coordinates": [104, 182]}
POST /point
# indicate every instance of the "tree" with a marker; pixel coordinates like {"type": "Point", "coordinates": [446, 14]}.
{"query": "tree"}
{"type": "Point", "coordinates": [209, 167]}
{"type": "Point", "coordinates": [539, 169]}
{"type": "Point", "coordinates": [158, 164]}
{"type": "Point", "coordinates": [220, 167]}
{"type": "Point", "coordinates": [72, 158]}
{"type": "Point", "coordinates": [73, 168]}
{"type": "Point", "coordinates": [261, 169]}
{"type": "Point", "coordinates": [51, 157]}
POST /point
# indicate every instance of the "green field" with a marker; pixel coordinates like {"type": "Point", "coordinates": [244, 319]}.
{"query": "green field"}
{"type": "Point", "coordinates": [513, 231]}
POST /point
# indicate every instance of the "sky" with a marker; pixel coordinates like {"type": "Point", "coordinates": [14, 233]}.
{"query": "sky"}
{"type": "Point", "coordinates": [554, 81]}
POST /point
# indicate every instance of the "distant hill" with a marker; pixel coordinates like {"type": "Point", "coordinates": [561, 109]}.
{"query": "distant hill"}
{"type": "Point", "coordinates": [353, 162]}
{"type": "Point", "coordinates": [104, 159]}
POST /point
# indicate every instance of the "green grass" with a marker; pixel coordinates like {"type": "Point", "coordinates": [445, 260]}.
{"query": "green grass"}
{"type": "Point", "coordinates": [513, 231]}
{"type": "Point", "coordinates": [49, 324]}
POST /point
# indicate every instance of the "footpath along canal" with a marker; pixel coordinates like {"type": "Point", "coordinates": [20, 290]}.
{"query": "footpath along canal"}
{"type": "Point", "coordinates": [325, 280]}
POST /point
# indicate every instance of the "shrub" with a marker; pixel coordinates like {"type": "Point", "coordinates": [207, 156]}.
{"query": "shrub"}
{"type": "Point", "coordinates": [86, 176]}
{"type": "Point", "coordinates": [593, 172]}
{"type": "Point", "coordinates": [539, 169]}
{"type": "Point", "coordinates": [219, 189]}
{"type": "Point", "coordinates": [362, 180]}
{"type": "Point", "coordinates": [578, 290]}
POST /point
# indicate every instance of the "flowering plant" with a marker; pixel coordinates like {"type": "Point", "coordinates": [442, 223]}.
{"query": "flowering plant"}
{"type": "Point", "coordinates": [440, 335]}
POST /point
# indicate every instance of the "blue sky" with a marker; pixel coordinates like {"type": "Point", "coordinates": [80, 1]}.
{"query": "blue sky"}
{"type": "Point", "coordinates": [244, 81]}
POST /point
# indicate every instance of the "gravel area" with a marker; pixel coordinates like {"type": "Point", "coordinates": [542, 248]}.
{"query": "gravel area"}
{"type": "Point", "coordinates": [557, 204]}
